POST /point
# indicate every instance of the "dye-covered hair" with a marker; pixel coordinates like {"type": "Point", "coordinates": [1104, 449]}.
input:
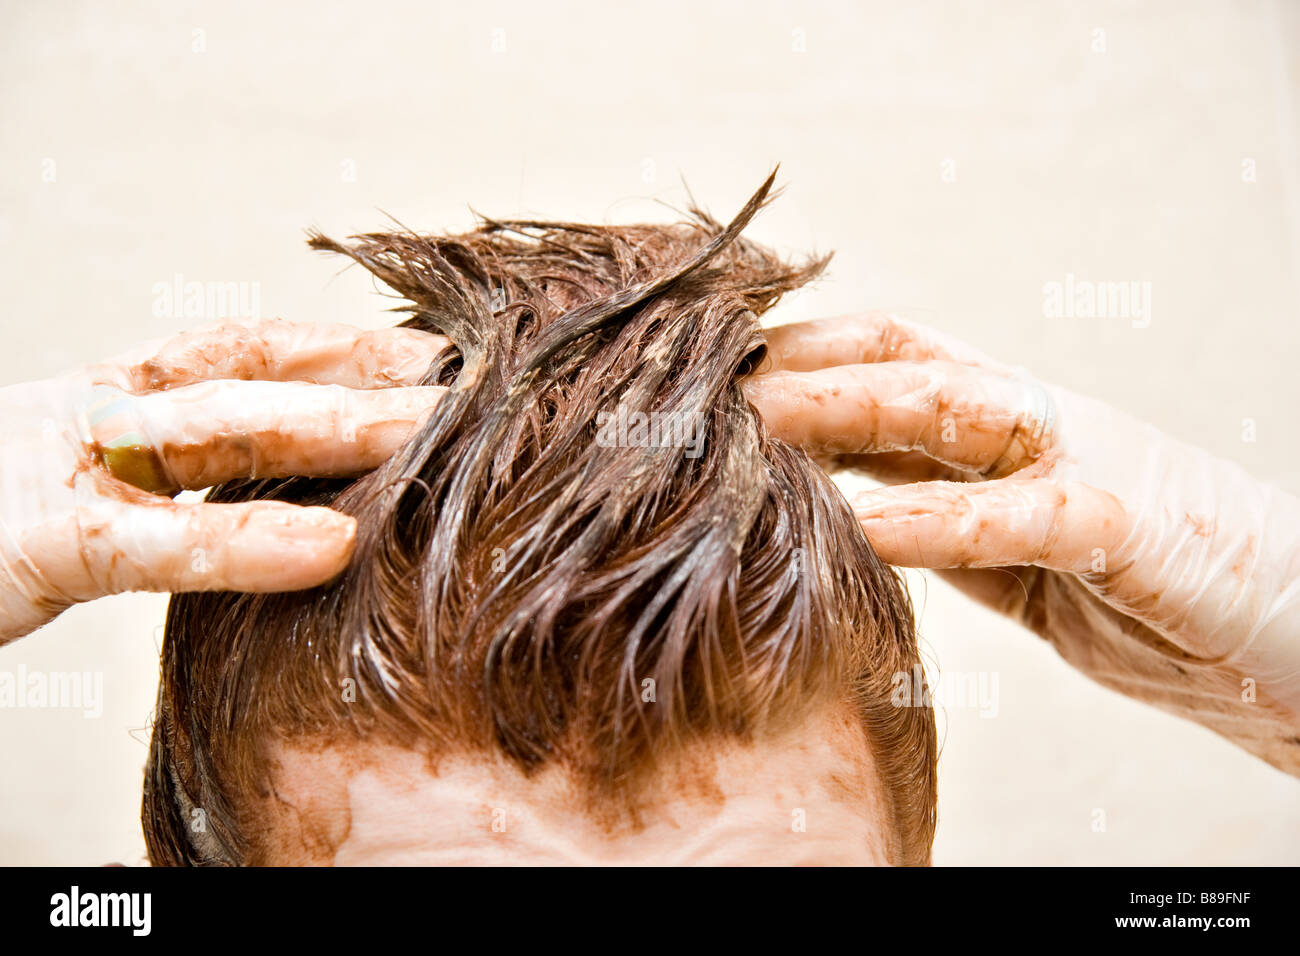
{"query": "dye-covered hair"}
{"type": "Point", "coordinates": [592, 505]}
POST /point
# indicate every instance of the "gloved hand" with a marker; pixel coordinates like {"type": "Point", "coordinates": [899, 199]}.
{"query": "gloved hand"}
{"type": "Point", "coordinates": [90, 458]}
{"type": "Point", "coordinates": [1154, 568]}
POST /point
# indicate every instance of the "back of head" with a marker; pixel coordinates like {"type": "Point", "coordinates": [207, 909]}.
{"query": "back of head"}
{"type": "Point", "coordinates": [589, 558]}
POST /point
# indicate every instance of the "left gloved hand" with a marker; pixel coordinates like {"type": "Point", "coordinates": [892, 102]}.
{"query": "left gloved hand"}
{"type": "Point", "coordinates": [1158, 570]}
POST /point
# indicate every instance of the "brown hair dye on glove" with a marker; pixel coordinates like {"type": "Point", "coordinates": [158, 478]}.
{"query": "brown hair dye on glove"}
{"type": "Point", "coordinates": [540, 549]}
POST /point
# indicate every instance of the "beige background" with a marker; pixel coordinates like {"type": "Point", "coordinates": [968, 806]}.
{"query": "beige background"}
{"type": "Point", "coordinates": [200, 139]}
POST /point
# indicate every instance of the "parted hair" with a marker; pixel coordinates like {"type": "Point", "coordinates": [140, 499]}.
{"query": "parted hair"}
{"type": "Point", "coordinates": [593, 505]}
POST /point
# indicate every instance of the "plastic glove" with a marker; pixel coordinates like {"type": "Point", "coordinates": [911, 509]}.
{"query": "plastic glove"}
{"type": "Point", "coordinates": [1157, 570]}
{"type": "Point", "coordinates": [84, 451]}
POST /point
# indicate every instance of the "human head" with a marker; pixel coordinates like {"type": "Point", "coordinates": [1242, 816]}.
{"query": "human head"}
{"type": "Point", "coordinates": [591, 572]}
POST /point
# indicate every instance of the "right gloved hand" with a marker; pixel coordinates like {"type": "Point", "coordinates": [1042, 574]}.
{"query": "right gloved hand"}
{"type": "Point", "coordinates": [91, 458]}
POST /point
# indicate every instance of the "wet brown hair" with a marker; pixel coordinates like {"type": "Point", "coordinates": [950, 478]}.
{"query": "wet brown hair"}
{"type": "Point", "coordinates": [521, 570]}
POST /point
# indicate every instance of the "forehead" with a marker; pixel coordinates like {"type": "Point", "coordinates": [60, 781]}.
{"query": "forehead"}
{"type": "Point", "coordinates": [807, 795]}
